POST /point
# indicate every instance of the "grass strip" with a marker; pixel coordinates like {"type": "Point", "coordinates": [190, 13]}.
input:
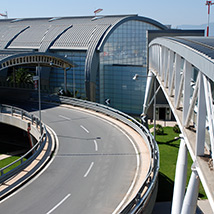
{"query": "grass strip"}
{"type": "Point", "coordinates": [168, 144]}
{"type": "Point", "coordinates": [8, 161]}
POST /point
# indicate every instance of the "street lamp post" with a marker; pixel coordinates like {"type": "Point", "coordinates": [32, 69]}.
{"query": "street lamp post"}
{"type": "Point", "coordinates": [73, 74]}
{"type": "Point", "coordinates": [136, 76]}
{"type": "Point", "coordinates": [154, 109]}
{"type": "Point", "coordinates": [65, 80]}
{"type": "Point", "coordinates": [38, 78]}
{"type": "Point", "coordinates": [74, 82]}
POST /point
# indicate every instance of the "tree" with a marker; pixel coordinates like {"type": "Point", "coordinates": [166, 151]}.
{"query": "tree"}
{"type": "Point", "coordinates": [159, 130]}
{"type": "Point", "coordinates": [21, 75]}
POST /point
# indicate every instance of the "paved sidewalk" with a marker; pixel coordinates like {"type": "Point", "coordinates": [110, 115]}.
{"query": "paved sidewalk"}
{"type": "Point", "coordinates": [165, 207]}
{"type": "Point", "coordinates": [163, 123]}
{"type": "Point", "coordinates": [4, 156]}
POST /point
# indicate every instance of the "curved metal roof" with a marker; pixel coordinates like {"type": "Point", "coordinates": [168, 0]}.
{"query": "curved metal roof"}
{"type": "Point", "coordinates": [59, 32]}
{"type": "Point", "coordinates": [199, 51]}
{"type": "Point", "coordinates": [8, 33]}
{"type": "Point", "coordinates": [204, 45]}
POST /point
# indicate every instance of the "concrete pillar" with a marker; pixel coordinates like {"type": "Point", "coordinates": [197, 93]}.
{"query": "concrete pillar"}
{"type": "Point", "coordinates": [177, 75]}
{"type": "Point", "coordinates": [186, 93]}
{"type": "Point", "coordinates": [161, 60]}
{"type": "Point", "coordinates": [201, 118]}
{"type": "Point", "coordinates": [180, 179]}
{"type": "Point", "coordinates": [172, 74]}
{"type": "Point", "coordinates": [148, 91]}
{"type": "Point", "coordinates": [190, 200]}
{"type": "Point", "coordinates": [165, 57]}
{"type": "Point", "coordinates": [167, 69]}
{"type": "Point", "coordinates": [209, 110]}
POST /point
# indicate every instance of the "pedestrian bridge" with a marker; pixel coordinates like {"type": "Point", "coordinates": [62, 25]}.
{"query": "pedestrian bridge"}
{"type": "Point", "coordinates": [184, 70]}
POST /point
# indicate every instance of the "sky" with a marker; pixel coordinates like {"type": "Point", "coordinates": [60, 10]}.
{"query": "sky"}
{"type": "Point", "coordinates": [170, 12]}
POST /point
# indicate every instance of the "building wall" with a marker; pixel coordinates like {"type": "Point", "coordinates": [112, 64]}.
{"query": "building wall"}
{"type": "Point", "coordinates": [75, 76]}
{"type": "Point", "coordinates": [123, 56]}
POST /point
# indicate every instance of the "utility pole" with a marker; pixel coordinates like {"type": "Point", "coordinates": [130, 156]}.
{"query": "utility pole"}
{"type": "Point", "coordinates": [208, 3]}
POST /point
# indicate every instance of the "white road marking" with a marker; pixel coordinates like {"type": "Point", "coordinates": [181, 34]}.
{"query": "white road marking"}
{"type": "Point", "coordinates": [64, 199]}
{"type": "Point", "coordinates": [89, 169]}
{"type": "Point", "coordinates": [84, 128]}
{"type": "Point", "coordinates": [96, 146]}
{"type": "Point", "coordinates": [67, 118]}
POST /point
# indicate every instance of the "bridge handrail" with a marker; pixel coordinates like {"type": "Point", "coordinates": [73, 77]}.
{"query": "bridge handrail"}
{"type": "Point", "coordinates": [36, 149]}
{"type": "Point", "coordinates": [151, 178]}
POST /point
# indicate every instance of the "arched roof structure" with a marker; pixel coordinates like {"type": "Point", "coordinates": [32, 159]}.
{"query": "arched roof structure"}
{"type": "Point", "coordinates": [43, 34]}
{"type": "Point", "coordinates": [42, 59]}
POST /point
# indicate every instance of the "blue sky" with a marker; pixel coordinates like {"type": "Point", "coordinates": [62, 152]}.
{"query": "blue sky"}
{"type": "Point", "coordinates": [174, 12]}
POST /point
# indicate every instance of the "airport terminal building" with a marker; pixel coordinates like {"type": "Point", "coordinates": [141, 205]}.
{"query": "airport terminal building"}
{"type": "Point", "coordinates": [105, 52]}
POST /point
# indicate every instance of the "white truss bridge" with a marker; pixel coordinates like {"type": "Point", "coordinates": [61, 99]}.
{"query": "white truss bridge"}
{"type": "Point", "coordinates": [184, 70]}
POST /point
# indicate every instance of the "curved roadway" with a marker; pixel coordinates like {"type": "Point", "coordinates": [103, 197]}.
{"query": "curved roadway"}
{"type": "Point", "coordinates": [91, 172]}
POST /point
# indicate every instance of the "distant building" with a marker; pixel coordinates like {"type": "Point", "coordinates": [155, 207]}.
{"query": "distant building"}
{"type": "Point", "coordinates": [107, 52]}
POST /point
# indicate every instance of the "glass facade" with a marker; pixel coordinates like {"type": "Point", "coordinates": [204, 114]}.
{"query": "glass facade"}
{"type": "Point", "coordinates": [75, 76]}
{"type": "Point", "coordinates": [123, 56]}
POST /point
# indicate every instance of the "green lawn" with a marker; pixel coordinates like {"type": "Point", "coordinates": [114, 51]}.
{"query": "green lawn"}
{"type": "Point", "coordinates": [169, 146]}
{"type": "Point", "coordinates": [9, 160]}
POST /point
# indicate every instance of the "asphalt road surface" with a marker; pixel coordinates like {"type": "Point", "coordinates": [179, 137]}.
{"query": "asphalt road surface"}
{"type": "Point", "coordinates": [91, 173]}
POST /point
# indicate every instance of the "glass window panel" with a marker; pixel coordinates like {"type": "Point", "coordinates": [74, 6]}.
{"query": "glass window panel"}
{"type": "Point", "coordinates": [124, 55]}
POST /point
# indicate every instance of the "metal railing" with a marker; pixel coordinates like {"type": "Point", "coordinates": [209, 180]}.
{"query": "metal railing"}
{"type": "Point", "coordinates": [36, 149]}
{"type": "Point", "coordinates": [142, 196]}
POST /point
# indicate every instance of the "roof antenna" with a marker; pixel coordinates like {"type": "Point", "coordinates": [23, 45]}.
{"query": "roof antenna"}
{"type": "Point", "coordinates": [5, 15]}
{"type": "Point", "coordinates": [97, 11]}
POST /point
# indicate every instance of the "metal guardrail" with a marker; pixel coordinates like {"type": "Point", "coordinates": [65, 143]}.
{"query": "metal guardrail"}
{"type": "Point", "coordinates": [36, 149]}
{"type": "Point", "coordinates": [149, 183]}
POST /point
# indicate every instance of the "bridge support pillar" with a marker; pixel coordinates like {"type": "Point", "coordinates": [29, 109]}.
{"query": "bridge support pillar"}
{"type": "Point", "coordinates": [190, 200]}
{"type": "Point", "coordinates": [180, 179]}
